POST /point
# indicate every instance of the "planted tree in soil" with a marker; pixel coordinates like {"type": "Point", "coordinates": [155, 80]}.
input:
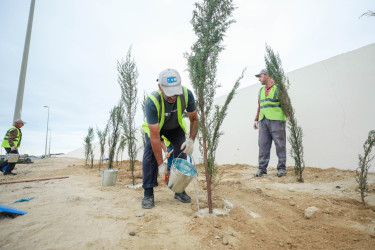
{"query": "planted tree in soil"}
{"type": "Point", "coordinates": [364, 165]}
{"type": "Point", "coordinates": [92, 156]}
{"type": "Point", "coordinates": [127, 79]}
{"type": "Point", "coordinates": [211, 19]}
{"type": "Point", "coordinates": [275, 70]}
{"type": "Point", "coordinates": [114, 125]}
{"type": "Point", "coordinates": [120, 149]}
{"type": "Point", "coordinates": [87, 142]}
{"type": "Point", "coordinates": [102, 135]}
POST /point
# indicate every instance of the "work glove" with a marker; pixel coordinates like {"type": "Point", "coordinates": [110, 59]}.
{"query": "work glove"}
{"type": "Point", "coordinates": [14, 148]}
{"type": "Point", "coordinates": [188, 146]}
{"type": "Point", "coordinates": [256, 124]}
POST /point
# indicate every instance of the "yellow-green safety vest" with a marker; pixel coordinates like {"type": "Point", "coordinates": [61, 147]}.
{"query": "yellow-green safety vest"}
{"type": "Point", "coordinates": [157, 98]}
{"type": "Point", "coordinates": [270, 106]}
{"type": "Point", "coordinates": [16, 140]}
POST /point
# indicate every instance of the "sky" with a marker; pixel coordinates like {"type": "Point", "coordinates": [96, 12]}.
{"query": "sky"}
{"type": "Point", "coordinates": [76, 44]}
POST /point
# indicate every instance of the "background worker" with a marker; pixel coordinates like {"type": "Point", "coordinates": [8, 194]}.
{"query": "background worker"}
{"type": "Point", "coordinates": [271, 121]}
{"type": "Point", "coordinates": [164, 117]}
{"type": "Point", "coordinates": [11, 143]}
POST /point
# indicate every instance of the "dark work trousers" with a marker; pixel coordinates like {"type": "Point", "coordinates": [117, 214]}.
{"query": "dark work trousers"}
{"type": "Point", "coordinates": [149, 163]}
{"type": "Point", "coordinates": [10, 165]}
{"type": "Point", "coordinates": [269, 131]}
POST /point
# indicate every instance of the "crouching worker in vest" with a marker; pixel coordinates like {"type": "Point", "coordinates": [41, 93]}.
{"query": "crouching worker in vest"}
{"type": "Point", "coordinates": [11, 143]}
{"type": "Point", "coordinates": [164, 117]}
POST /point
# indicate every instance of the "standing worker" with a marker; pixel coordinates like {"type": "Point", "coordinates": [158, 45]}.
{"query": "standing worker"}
{"type": "Point", "coordinates": [164, 117]}
{"type": "Point", "coordinates": [11, 143]}
{"type": "Point", "coordinates": [271, 121]}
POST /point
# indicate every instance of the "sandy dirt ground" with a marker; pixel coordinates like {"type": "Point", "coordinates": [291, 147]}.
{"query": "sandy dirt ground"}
{"type": "Point", "coordinates": [249, 213]}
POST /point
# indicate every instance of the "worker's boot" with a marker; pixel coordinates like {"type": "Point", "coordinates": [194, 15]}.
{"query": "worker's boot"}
{"type": "Point", "coordinates": [260, 173]}
{"type": "Point", "coordinates": [183, 197]}
{"type": "Point", "coordinates": [281, 172]}
{"type": "Point", "coordinates": [148, 202]}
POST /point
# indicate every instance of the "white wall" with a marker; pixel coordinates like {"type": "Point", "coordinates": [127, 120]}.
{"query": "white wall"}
{"type": "Point", "coordinates": [334, 102]}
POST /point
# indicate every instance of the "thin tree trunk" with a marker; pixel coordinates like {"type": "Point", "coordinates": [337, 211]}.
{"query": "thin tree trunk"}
{"type": "Point", "coordinates": [208, 176]}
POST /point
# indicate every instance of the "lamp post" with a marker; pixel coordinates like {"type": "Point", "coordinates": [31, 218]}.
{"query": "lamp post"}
{"type": "Point", "coordinates": [49, 147]}
{"type": "Point", "coordinates": [45, 151]}
{"type": "Point", "coordinates": [21, 83]}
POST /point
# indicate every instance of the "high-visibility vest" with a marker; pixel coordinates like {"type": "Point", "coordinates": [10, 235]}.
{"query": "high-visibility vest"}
{"type": "Point", "coordinates": [16, 140]}
{"type": "Point", "coordinates": [157, 98]}
{"type": "Point", "coordinates": [166, 141]}
{"type": "Point", "coordinates": [270, 106]}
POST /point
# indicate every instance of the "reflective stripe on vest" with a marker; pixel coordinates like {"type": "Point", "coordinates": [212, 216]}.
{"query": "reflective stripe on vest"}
{"type": "Point", "coordinates": [270, 106]}
{"type": "Point", "coordinates": [157, 97]}
{"type": "Point", "coordinates": [167, 143]}
{"type": "Point", "coordinates": [5, 143]}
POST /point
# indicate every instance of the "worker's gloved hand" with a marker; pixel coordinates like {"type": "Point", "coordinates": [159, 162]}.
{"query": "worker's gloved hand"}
{"type": "Point", "coordinates": [161, 169]}
{"type": "Point", "coordinates": [188, 146]}
{"type": "Point", "coordinates": [256, 125]}
{"type": "Point", "coordinates": [14, 148]}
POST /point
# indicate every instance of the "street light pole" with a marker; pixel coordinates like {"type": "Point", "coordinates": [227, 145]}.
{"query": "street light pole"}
{"type": "Point", "coordinates": [21, 83]}
{"type": "Point", "coordinates": [45, 151]}
{"type": "Point", "coordinates": [49, 147]}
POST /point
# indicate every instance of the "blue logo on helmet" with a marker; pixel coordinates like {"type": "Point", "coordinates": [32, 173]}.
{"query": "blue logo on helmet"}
{"type": "Point", "coordinates": [171, 79]}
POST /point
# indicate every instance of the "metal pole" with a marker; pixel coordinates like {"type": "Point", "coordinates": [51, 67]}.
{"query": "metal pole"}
{"type": "Point", "coordinates": [21, 83]}
{"type": "Point", "coordinates": [45, 151]}
{"type": "Point", "coordinates": [49, 147]}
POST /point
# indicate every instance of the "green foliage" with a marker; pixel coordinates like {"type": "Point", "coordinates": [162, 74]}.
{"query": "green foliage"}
{"type": "Point", "coordinates": [120, 149]}
{"type": "Point", "coordinates": [92, 156]}
{"type": "Point", "coordinates": [368, 13]}
{"type": "Point", "coordinates": [115, 120]}
{"type": "Point", "coordinates": [214, 123]}
{"type": "Point", "coordinates": [364, 164]}
{"type": "Point", "coordinates": [102, 135]}
{"type": "Point", "coordinates": [87, 142]}
{"type": "Point", "coordinates": [211, 19]}
{"type": "Point", "coordinates": [127, 79]}
{"type": "Point", "coordinates": [275, 70]}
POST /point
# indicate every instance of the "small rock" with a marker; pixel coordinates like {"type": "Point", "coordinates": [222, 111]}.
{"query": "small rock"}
{"type": "Point", "coordinates": [216, 226]}
{"type": "Point", "coordinates": [281, 244]}
{"type": "Point", "coordinates": [292, 203]}
{"type": "Point", "coordinates": [290, 189]}
{"type": "Point", "coordinates": [132, 233]}
{"type": "Point", "coordinates": [225, 241]}
{"type": "Point", "coordinates": [310, 212]}
{"type": "Point", "coordinates": [252, 231]}
{"type": "Point", "coordinates": [338, 187]}
{"type": "Point", "coordinates": [140, 214]}
{"type": "Point", "coordinates": [217, 237]}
